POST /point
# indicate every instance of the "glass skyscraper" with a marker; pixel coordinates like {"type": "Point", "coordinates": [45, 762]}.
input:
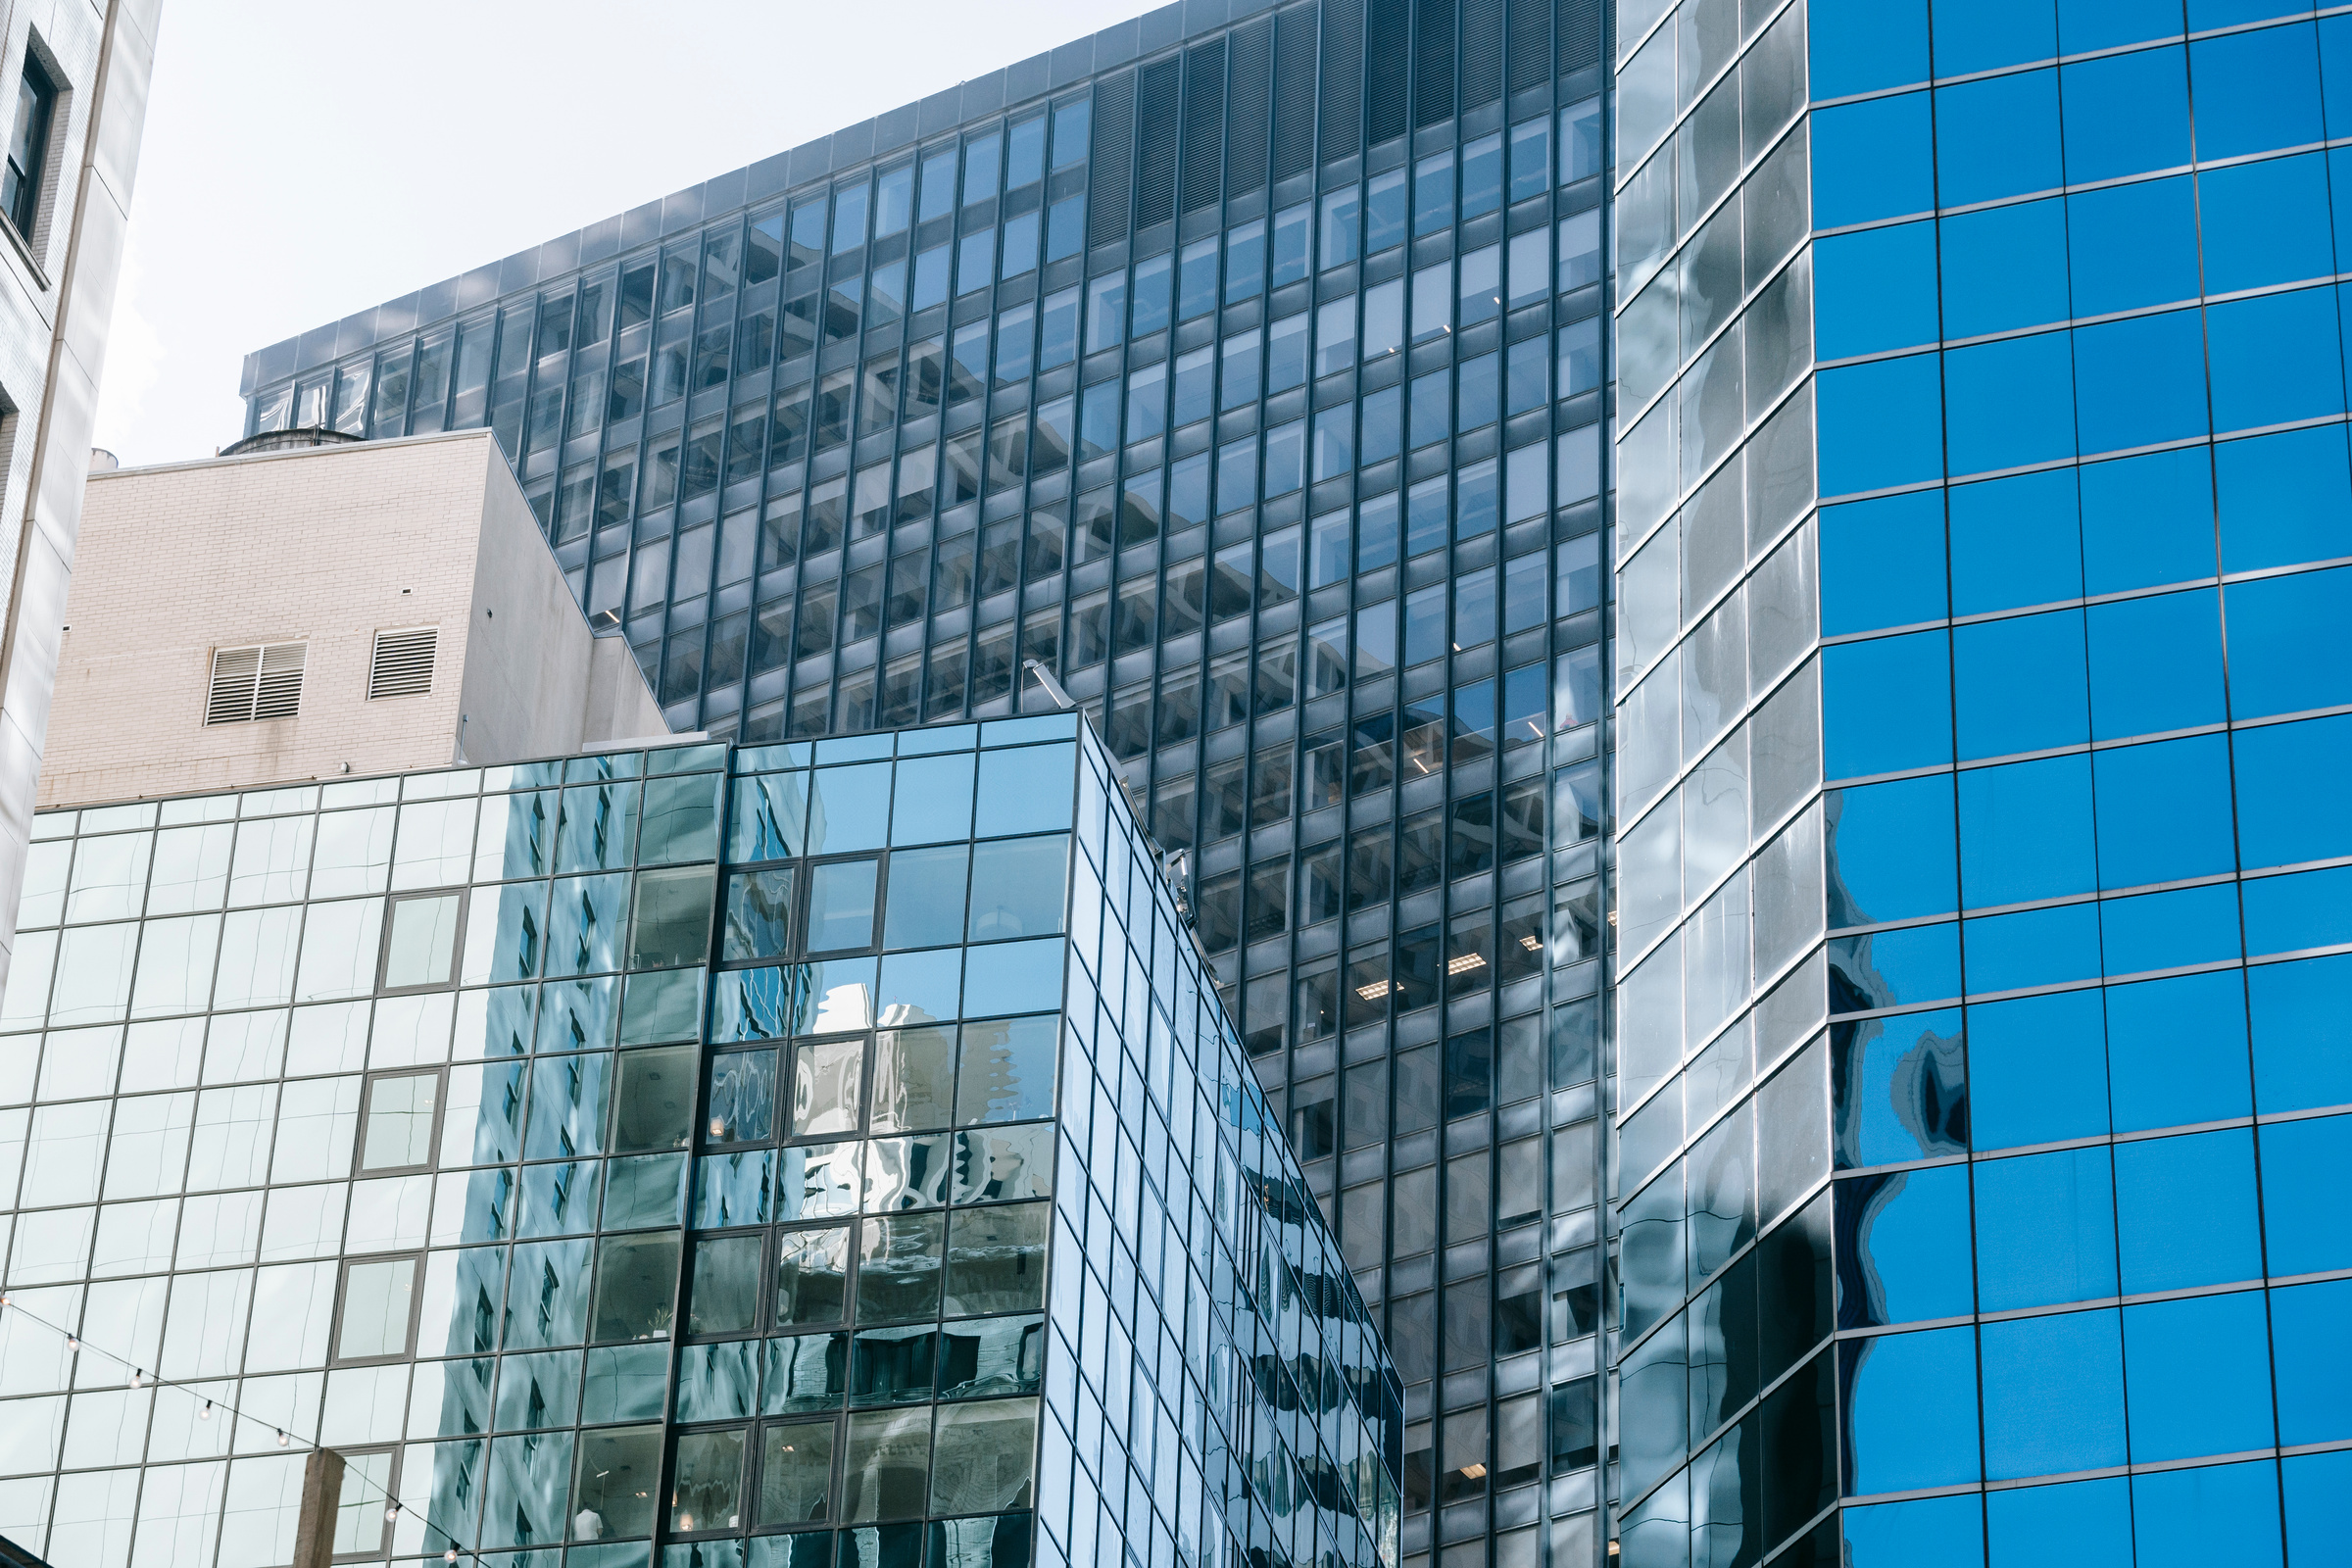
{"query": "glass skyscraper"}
{"type": "Point", "coordinates": [1979, 934]}
{"type": "Point", "coordinates": [790, 1155]}
{"type": "Point", "coordinates": [1245, 367]}
{"type": "Point", "coordinates": [1950, 939]}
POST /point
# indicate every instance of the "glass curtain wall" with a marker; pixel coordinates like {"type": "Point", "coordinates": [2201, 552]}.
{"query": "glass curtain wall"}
{"type": "Point", "coordinates": [687, 1152]}
{"type": "Point", "coordinates": [1989, 1230]}
{"type": "Point", "coordinates": [1250, 378]}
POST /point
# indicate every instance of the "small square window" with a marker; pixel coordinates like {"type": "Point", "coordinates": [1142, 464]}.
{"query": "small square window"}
{"type": "Point", "coordinates": [420, 941]}
{"type": "Point", "coordinates": [375, 1310]}
{"type": "Point", "coordinates": [397, 1126]}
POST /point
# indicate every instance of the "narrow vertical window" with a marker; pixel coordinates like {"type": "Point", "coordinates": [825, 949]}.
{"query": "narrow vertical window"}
{"type": "Point", "coordinates": [27, 146]}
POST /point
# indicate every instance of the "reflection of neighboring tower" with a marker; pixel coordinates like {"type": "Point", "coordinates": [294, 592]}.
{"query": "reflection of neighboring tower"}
{"type": "Point", "coordinates": [904, 1015]}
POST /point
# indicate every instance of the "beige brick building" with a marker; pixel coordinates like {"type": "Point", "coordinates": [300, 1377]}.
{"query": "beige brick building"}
{"type": "Point", "coordinates": [357, 609]}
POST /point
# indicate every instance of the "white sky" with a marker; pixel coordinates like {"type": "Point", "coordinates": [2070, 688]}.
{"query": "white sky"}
{"type": "Point", "coordinates": [304, 161]}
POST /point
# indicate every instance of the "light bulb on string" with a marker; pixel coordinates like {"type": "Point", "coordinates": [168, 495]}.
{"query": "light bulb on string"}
{"type": "Point", "coordinates": [72, 1344]}
{"type": "Point", "coordinates": [205, 1414]}
{"type": "Point", "coordinates": [392, 1514]}
{"type": "Point", "coordinates": [282, 1438]}
{"type": "Point", "coordinates": [138, 1378]}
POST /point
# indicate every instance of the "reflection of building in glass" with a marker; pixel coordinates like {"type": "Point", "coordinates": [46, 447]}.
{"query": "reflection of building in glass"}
{"type": "Point", "coordinates": [1242, 364]}
{"type": "Point", "coordinates": [1980, 1073]}
{"type": "Point", "coordinates": [807, 1154]}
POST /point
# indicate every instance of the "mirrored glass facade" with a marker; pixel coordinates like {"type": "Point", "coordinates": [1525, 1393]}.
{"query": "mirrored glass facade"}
{"type": "Point", "coordinates": [1981, 507]}
{"type": "Point", "coordinates": [801, 1155]}
{"type": "Point", "coordinates": [1244, 364]}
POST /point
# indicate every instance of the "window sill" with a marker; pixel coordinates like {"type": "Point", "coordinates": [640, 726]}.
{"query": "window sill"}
{"type": "Point", "coordinates": [25, 253]}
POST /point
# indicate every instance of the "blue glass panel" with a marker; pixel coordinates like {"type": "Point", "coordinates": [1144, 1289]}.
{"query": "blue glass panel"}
{"type": "Point", "coordinates": [1911, 1410]}
{"type": "Point", "coordinates": [2274, 359]}
{"type": "Point", "coordinates": [2279, 766]}
{"type": "Point", "coordinates": [2205, 14]}
{"type": "Point", "coordinates": [2032, 948]}
{"type": "Point", "coordinates": [1910, 1247]}
{"type": "Point", "coordinates": [2083, 1523]}
{"type": "Point", "coordinates": [2053, 1395]}
{"type": "Point", "coordinates": [2169, 930]}
{"type": "Point", "coordinates": [1890, 969]}
{"type": "Point", "coordinates": [2003, 269]}
{"type": "Point", "coordinates": [2265, 223]}
{"type": "Point", "coordinates": [2037, 1070]}
{"type": "Point", "coordinates": [2284, 498]}
{"type": "Point", "coordinates": [1873, 290]}
{"type": "Point", "coordinates": [2318, 1508]}
{"type": "Point", "coordinates": [2132, 245]}
{"type": "Point", "coordinates": [2145, 521]}
{"type": "Point", "coordinates": [2315, 1361]}
{"type": "Point", "coordinates": [2302, 1034]}
{"type": "Point", "coordinates": [2301, 911]}
{"type": "Point", "coordinates": [2177, 1051]}
{"type": "Point", "coordinates": [1881, 424]}
{"type": "Point", "coordinates": [1863, 45]}
{"type": "Point", "coordinates": [1929, 1533]}
{"type": "Point", "coordinates": [1891, 851]}
{"type": "Point", "coordinates": [1883, 562]}
{"type": "Point", "coordinates": [2139, 382]}
{"type": "Point", "coordinates": [2155, 664]}
{"type": "Point", "coordinates": [1997, 138]}
{"type": "Point", "coordinates": [2046, 1230]}
{"type": "Point", "coordinates": [2335, 72]}
{"type": "Point", "coordinates": [2019, 685]}
{"type": "Point", "coordinates": [1872, 160]}
{"type": "Point", "coordinates": [2085, 24]}
{"type": "Point", "coordinates": [1993, 32]}
{"type": "Point", "coordinates": [2306, 1227]}
{"type": "Point", "coordinates": [2190, 1518]}
{"type": "Point", "coordinates": [2009, 403]}
{"type": "Point", "coordinates": [2026, 832]}
{"type": "Point", "coordinates": [1899, 1088]}
{"type": "Point", "coordinates": [2014, 542]}
{"type": "Point", "coordinates": [2256, 91]}
{"type": "Point", "coordinates": [2126, 114]}
{"type": "Point", "coordinates": [2287, 643]}
{"type": "Point", "coordinates": [2185, 1212]}
{"type": "Point", "coordinates": [2197, 1373]}
{"type": "Point", "coordinates": [1013, 977]}
{"type": "Point", "coordinates": [1885, 704]}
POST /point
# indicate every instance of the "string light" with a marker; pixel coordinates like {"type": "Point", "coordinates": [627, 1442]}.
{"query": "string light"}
{"type": "Point", "coordinates": [140, 1378]}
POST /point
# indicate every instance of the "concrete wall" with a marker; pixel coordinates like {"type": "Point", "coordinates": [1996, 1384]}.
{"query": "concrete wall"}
{"type": "Point", "coordinates": [536, 683]}
{"type": "Point", "coordinates": [326, 545]}
{"type": "Point", "coordinates": [57, 303]}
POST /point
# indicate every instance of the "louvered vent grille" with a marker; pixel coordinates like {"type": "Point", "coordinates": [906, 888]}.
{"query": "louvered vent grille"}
{"type": "Point", "coordinates": [1531, 43]}
{"type": "Point", "coordinates": [1203, 124]}
{"type": "Point", "coordinates": [1482, 52]}
{"type": "Point", "coordinates": [1251, 90]}
{"type": "Point", "coordinates": [1342, 106]}
{"type": "Point", "coordinates": [1158, 88]}
{"type": "Point", "coordinates": [1579, 39]}
{"type": "Point", "coordinates": [1433, 74]}
{"type": "Point", "coordinates": [262, 681]}
{"type": "Point", "coordinates": [1388, 55]}
{"type": "Point", "coordinates": [1294, 91]}
{"type": "Point", "coordinates": [1113, 162]}
{"type": "Point", "coordinates": [403, 666]}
